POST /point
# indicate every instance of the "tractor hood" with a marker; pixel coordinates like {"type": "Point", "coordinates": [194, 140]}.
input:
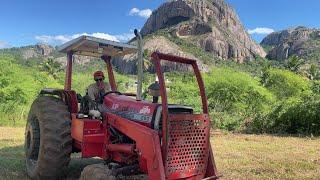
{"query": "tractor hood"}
{"type": "Point", "coordinates": [143, 112]}
{"type": "Point", "coordinates": [127, 107]}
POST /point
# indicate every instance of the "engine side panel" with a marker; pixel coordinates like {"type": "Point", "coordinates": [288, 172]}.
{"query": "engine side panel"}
{"type": "Point", "coordinates": [88, 136]}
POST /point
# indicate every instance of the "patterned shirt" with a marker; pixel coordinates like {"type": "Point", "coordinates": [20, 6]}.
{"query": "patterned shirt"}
{"type": "Point", "coordinates": [94, 91]}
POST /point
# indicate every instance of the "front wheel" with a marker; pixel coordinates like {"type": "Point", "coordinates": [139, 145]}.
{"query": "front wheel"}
{"type": "Point", "coordinates": [48, 142]}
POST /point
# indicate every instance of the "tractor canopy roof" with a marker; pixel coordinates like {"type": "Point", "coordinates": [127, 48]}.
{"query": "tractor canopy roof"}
{"type": "Point", "coordinates": [96, 47]}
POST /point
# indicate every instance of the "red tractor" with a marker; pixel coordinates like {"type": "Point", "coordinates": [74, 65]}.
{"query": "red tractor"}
{"type": "Point", "coordinates": [133, 136]}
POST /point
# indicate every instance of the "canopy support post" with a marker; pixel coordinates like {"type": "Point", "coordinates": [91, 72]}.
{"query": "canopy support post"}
{"type": "Point", "coordinates": [107, 60]}
{"type": "Point", "coordinates": [140, 64]}
{"type": "Point", "coordinates": [68, 80]}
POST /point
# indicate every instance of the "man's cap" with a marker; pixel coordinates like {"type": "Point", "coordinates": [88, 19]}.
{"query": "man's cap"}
{"type": "Point", "coordinates": [98, 73]}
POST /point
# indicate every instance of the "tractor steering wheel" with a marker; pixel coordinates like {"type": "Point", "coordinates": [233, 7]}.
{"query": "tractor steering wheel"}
{"type": "Point", "coordinates": [107, 93]}
{"type": "Point", "coordinates": [110, 92]}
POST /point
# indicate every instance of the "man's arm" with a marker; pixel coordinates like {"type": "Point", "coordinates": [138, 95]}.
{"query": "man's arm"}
{"type": "Point", "coordinates": [107, 87]}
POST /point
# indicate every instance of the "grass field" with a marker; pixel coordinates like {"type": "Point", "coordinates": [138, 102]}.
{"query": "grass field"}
{"type": "Point", "coordinates": [237, 156]}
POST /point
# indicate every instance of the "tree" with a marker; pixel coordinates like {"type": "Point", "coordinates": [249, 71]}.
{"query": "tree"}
{"type": "Point", "coordinates": [314, 72]}
{"type": "Point", "coordinates": [266, 66]}
{"type": "Point", "coordinates": [146, 60]}
{"type": "Point", "coordinates": [294, 63]}
{"type": "Point", "coordinates": [51, 67]}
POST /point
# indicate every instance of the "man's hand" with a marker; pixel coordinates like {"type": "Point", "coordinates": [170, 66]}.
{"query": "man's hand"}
{"type": "Point", "coordinates": [94, 113]}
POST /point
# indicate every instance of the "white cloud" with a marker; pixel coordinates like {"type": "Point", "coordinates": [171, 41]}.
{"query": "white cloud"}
{"type": "Point", "coordinates": [60, 39]}
{"type": "Point", "coordinates": [145, 13]}
{"type": "Point", "coordinates": [4, 44]}
{"type": "Point", "coordinates": [125, 36]}
{"type": "Point", "coordinates": [260, 30]}
{"type": "Point", "coordinates": [97, 35]}
{"type": "Point", "coordinates": [134, 11]}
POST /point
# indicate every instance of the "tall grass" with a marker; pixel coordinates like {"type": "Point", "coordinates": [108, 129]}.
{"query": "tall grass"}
{"type": "Point", "coordinates": [19, 86]}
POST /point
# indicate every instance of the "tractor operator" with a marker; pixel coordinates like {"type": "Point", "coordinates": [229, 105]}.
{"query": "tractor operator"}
{"type": "Point", "coordinates": [92, 99]}
{"type": "Point", "coordinates": [98, 89]}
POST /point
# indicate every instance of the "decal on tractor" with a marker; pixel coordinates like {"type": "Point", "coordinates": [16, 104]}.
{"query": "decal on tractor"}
{"type": "Point", "coordinates": [115, 106]}
{"type": "Point", "coordinates": [145, 110]}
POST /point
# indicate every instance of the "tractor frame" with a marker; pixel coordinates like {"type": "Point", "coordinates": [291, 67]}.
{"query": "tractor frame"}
{"type": "Point", "coordinates": [181, 150]}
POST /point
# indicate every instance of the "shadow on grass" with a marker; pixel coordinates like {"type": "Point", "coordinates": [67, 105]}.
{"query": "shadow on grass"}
{"type": "Point", "coordinates": [12, 164]}
{"type": "Point", "coordinates": [284, 135]}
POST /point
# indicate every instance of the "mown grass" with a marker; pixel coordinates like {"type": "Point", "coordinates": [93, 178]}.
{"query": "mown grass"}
{"type": "Point", "coordinates": [238, 156]}
{"type": "Point", "coordinates": [12, 156]}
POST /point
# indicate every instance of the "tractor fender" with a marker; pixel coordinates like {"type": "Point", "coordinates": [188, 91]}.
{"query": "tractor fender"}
{"type": "Point", "coordinates": [68, 97]}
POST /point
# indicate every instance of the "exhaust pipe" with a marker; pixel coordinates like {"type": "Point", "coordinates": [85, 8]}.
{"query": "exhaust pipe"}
{"type": "Point", "coordinates": [140, 64]}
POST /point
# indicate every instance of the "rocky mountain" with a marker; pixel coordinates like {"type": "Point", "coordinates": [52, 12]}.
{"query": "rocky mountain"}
{"type": "Point", "coordinates": [214, 23]}
{"type": "Point", "coordinates": [300, 41]}
{"type": "Point", "coordinates": [39, 52]}
{"type": "Point", "coordinates": [209, 26]}
{"type": "Point", "coordinates": [31, 51]}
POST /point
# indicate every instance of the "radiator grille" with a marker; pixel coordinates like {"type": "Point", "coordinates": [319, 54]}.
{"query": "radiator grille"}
{"type": "Point", "coordinates": [187, 145]}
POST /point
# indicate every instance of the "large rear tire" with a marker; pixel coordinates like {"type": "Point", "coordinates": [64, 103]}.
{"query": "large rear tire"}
{"type": "Point", "coordinates": [48, 142]}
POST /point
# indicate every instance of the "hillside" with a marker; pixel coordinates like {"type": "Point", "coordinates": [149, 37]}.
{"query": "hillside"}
{"type": "Point", "coordinates": [36, 54]}
{"type": "Point", "coordinates": [301, 41]}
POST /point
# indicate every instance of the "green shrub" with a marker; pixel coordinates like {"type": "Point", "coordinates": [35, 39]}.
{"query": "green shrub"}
{"type": "Point", "coordinates": [316, 87]}
{"type": "Point", "coordinates": [297, 107]}
{"type": "Point", "coordinates": [297, 116]}
{"type": "Point", "coordinates": [266, 123]}
{"type": "Point", "coordinates": [236, 94]}
{"type": "Point", "coordinates": [185, 93]}
{"type": "Point", "coordinates": [285, 84]}
{"type": "Point", "coordinates": [19, 87]}
{"type": "Point", "coordinates": [227, 121]}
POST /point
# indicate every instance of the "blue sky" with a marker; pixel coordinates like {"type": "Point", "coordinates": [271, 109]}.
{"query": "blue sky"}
{"type": "Point", "coordinates": [56, 21]}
